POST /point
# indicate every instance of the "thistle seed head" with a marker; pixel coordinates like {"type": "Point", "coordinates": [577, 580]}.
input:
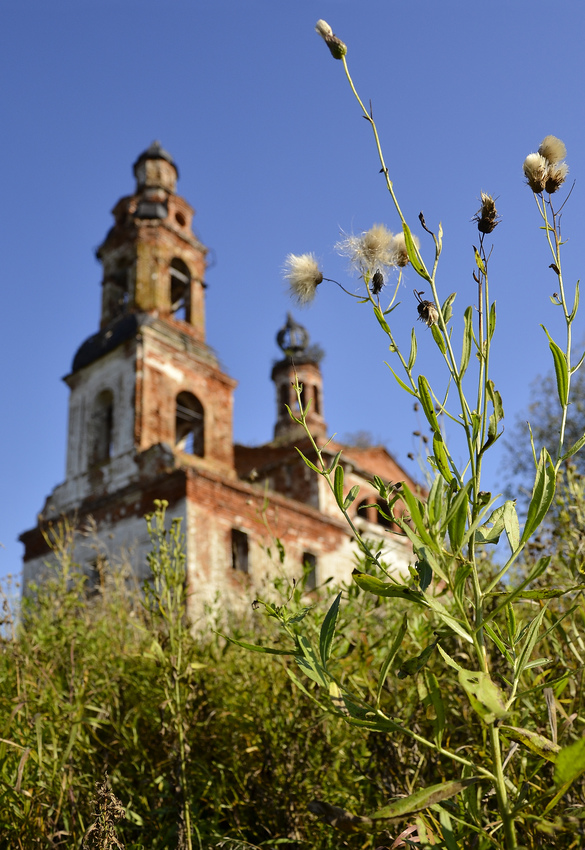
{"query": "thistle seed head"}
{"type": "Point", "coordinates": [552, 149]}
{"type": "Point", "coordinates": [336, 46]}
{"type": "Point", "coordinates": [304, 275]}
{"type": "Point", "coordinates": [487, 216]}
{"type": "Point", "coordinates": [556, 175]}
{"type": "Point", "coordinates": [536, 172]}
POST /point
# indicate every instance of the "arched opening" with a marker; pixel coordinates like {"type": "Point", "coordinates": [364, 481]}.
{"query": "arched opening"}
{"type": "Point", "coordinates": [310, 570]}
{"type": "Point", "coordinates": [102, 428]}
{"type": "Point", "coordinates": [189, 425]}
{"type": "Point", "coordinates": [240, 550]}
{"type": "Point", "coordinates": [180, 281]}
{"type": "Point", "coordinates": [363, 511]}
{"type": "Point", "coordinates": [284, 398]}
{"type": "Point", "coordinates": [316, 400]}
{"type": "Point", "coordinates": [383, 520]}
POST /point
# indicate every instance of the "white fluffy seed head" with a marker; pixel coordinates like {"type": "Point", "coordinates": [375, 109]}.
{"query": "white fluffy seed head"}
{"type": "Point", "coordinates": [371, 250]}
{"type": "Point", "coordinates": [304, 275]}
{"type": "Point", "coordinates": [535, 170]}
{"type": "Point", "coordinates": [556, 176]}
{"type": "Point", "coordinates": [552, 149]}
{"type": "Point", "coordinates": [323, 28]}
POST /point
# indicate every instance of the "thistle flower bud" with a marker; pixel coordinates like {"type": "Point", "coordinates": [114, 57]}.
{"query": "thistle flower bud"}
{"type": "Point", "coordinates": [535, 170]}
{"type": "Point", "coordinates": [377, 282]}
{"type": "Point", "coordinates": [487, 216]}
{"type": "Point", "coordinates": [552, 149]}
{"type": "Point", "coordinates": [427, 310]}
{"type": "Point", "coordinates": [336, 46]}
{"type": "Point", "coordinates": [400, 254]}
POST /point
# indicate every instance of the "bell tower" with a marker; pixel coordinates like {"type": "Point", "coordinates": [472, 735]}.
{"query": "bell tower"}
{"type": "Point", "coordinates": [147, 392]}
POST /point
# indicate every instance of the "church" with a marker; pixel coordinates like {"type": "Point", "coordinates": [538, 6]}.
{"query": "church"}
{"type": "Point", "coordinates": [150, 417]}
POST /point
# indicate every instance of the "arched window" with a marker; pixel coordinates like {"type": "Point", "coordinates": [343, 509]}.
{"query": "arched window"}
{"type": "Point", "coordinates": [316, 401]}
{"type": "Point", "coordinates": [363, 510]}
{"type": "Point", "coordinates": [382, 520]}
{"type": "Point", "coordinates": [102, 428]}
{"type": "Point", "coordinates": [284, 397]}
{"type": "Point", "coordinates": [189, 425]}
{"type": "Point", "coordinates": [180, 280]}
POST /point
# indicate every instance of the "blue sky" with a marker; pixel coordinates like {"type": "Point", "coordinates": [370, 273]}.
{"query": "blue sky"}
{"type": "Point", "coordinates": [274, 156]}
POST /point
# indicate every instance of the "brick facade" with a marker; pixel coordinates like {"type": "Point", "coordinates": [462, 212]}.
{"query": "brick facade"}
{"type": "Point", "coordinates": [150, 417]}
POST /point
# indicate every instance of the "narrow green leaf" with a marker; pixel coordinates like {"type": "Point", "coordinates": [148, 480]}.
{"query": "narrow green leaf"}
{"type": "Point", "coordinates": [414, 665]}
{"type": "Point", "coordinates": [382, 321]}
{"type": "Point", "coordinates": [447, 658]}
{"type": "Point", "coordinates": [428, 405]}
{"type": "Point", "coordinates": [437, 703]}
{"type": "Point", "coordinates": [575, 303]}
{"type": "Point", "coordinates": [467, 340]}
{"type": "Point", "coordinates": [561, 369]}
{"type": "Point", "coordinates": [396, 643]}
{"type": "Point", "coordinates": [328, 630]}
{"type": "Point", "coordinates": [351, 496]}
{"type": "Point", "coordinates": [485, 696]}
{"type": "Point", "coordinates": [574, 448]}
{"type": "Point", "coordinates": [531, 638]}
{"type": "Point", "coordinates": [401, 382]}
{"type": "Point", "coordinates": [570, 763]}
{"type": "Point", "coordinates": [308, 662]}
{"type": "Point", "coordinates": [478, 261]}
{"type": "Point", "coordinates": [492, 320]}
{"type": "Point", "coordinates": [308, 462]}
{"type": "Point", "coordinates": [511, 524]}
{"type": "Point", "coordinates": [423, 799]}
{"type": "Point", "coordinates": [454, 624]}
{"type": "Point", "coordinates": [334, 463]}
{"type": "Point", "coordinates": [435, 500]}
{"type": "Point", "coordinates": [532, 741]}
{"type": "Point", "coordinates": [413, 350]}
{"type": "Point", "coordinates": [413, 253]}
{"type": "Point", "coordinates": [539, 568]}
{"type": "Point", "coordinates": [265, 649]}
{"type": "Point", "coordinates": [496, 400]}
{"type": "Point", "coordinates": [387, 589]}
{"type": "Point", "coordinates": [542, 495]}
{"type": "Point", "coordinates": [416, 513]}
{"type": "Point", "coordinates": [438, 337]}
{"type": "Point", "coordinates": [441, 458]}
{"type": "Point", "coordinates": [447, 308]}
{"type": "Point", "coordinates": [338, 485]}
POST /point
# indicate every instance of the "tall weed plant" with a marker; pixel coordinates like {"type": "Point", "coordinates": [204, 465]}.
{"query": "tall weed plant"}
{"type": "Point", "coordinates": [497, 715]}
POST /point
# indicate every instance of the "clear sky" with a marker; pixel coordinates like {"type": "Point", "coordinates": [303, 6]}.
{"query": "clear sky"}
{"type": "Point", "coordinates": [274, 156]}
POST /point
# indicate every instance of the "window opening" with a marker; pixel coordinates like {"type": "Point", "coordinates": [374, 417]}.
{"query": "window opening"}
{"type": "Point", "coordinates": [363, 511]}
{"type": "Point", "coordinates": [284, 397]}
{"type": "Point", "coordinates": [103, 428]}
{"type": "Point", "coordinates": [239, 550]}
{"type": "Point", "coordinates": [316, 401]}
{"type": "Point", "coordinates": [180, 290]}
{"type": "Point", "coordinates": [189, 425]}
{"type": "Point", "coordinates": [387, 523]}
{"type": "Point", "coordinates": [310, 570]}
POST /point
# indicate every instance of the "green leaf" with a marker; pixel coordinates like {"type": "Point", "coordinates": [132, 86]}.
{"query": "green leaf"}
{"type": "Point", "coordinates": [561, 369]}
{"type": "Point", "coordinates": [542, 495]}
{"type": "Point", "coordinates": [531, 638]}
{"type": "Point", "coordinates": [437, 702]}
{"type": "Point", "coordinates": [457, 517]}
{"type": "Point", "coordinates": [478, 261]}
{"type": "Point", "coordinates": [454, 624]}
{"type": "Point", "coordinates": [416, 664]}
{"type": "Point", "coordinates": [308, 462]}
{"type": "Point", "coordinates": [511, 524]}
{"type": "Point", "coordinates": [441, 458]}
{"type": "Point", "coordinates": [338, 486]}
{"type": "Point", "coordinates": [575, 302]}
{"type": "Point", "coordinates": [334, 463]}
{"type": "Point", "coordinates": [485, 696]}
{"type": "Point", "coordinates": [308, 662]}
{"type": "Point", "coordinates": [413, 253]}
{"type": "Point", "coordinates": [532, 741]}
{"type": "Point", "coordinates": [492, 320]}
{"type": "Point", "coordinates": [396, 643]}
{"type": "Point", "coordinates": [387, 589]}
{"type": "Point", "coordinates": [570, 763]}
{"type": "Point", "coordinates": [539, 568]}
{"type": "Point", "coordinates": [401, 382]}
{"type": "Point", "coordinates": [351, 496]}
{"type": "Point", "coordinates": [255, 648]}
{"type": "Point", "coordinates": [382, 321]}
{"type": "Point", "coordinates": [447, 308]}
{"type": "Point", "coordinates": [438, 337]}
{"type": "Point", "coordinates": [428, 405]}
{"type": "Point", "coordinates": [574, 448]}
{"type": "Point", "coordinates": [423, 799]}
{"type": "Point", "coordinates": [416, 514]}
{"type": "Point", "coordinates": [413, 350]}
{"type": "Point", "coordinates": [467, 340]}
{"type": "Point", "coordinates": [328, 630]}
{"type": "Point", "coordinates": [425, 573]}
